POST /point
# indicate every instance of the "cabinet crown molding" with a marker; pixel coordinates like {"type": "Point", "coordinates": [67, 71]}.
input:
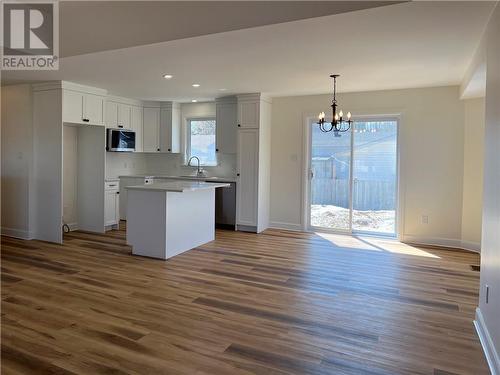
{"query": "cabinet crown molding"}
{"type": "Point", "coordinates": [67, 85]}
{"type": "Point", "coordinates": [170, 105]}
{"type": "Point", "coordinates": [253, 97]}
{"type": "Point", "coordinates": [123, 100]}
{"type": "Point", "coordinates": [232, 99]}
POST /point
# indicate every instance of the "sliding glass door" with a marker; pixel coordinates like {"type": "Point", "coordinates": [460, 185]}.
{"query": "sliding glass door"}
{"type": "Point", "coordinates": [330, 172]}
{"type": "Point", "coordinates": [353, 178]}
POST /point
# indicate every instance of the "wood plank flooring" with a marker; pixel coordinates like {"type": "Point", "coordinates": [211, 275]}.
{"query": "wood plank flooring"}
{"type": "Point", "coordinates": [275, 303]}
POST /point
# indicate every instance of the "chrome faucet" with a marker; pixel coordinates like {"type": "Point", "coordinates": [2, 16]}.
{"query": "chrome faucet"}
{"type": "Point", "coordinates": [199, 172]}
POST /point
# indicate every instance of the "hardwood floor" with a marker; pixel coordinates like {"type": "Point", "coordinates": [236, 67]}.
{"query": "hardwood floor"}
{"type": "Point", "coordinates": [274, 303]}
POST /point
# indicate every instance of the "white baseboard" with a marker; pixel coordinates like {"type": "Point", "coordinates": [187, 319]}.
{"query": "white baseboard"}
{"type": "Point", "coordinates": [17, 233]}
{"type": "Point", "coordinates": [440, 241]}
{"type": "Point", "coordinates": [471, 246]}
{"type": "Point", "coordinates": [487, 343]}
{"type": "Point", "coordinates": [286, 226]}
{"type": "Point", "coordinates": [73, 226]}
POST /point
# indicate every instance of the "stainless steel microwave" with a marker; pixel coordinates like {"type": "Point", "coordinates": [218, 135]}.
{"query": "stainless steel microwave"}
{"type": "Point", "coordinates": [121, 140]}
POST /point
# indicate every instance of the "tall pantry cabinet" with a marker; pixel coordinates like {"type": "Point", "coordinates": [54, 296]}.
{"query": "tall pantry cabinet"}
{"type": "Point", "coordinates": [253, 165]}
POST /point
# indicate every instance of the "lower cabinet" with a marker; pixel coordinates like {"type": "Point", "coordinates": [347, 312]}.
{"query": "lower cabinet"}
{"type": "Point", "coordinates": [111, 205]}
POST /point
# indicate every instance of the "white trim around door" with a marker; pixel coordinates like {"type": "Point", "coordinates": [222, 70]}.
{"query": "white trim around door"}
{"type": "Point", "coordinates": [306, 179]}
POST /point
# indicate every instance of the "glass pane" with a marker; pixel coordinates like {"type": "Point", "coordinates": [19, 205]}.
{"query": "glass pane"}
{"type": "Point", "coordinates": [203, 141]}
{"type": "Point", "coordinates": [330, 163]}
{"type": "Point", "coordinates": [374, 176]}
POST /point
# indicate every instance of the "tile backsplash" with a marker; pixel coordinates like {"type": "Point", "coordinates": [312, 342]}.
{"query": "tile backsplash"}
{"type": "Point", "coordinates": [125, 163]}
{"type": "Point", "coordinates": [120, 163]}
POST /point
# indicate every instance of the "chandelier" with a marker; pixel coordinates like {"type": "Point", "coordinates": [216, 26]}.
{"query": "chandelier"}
{"type": "Point", "coordinates": [338, 124]}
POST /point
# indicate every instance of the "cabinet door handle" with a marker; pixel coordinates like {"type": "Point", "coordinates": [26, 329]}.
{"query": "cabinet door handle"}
{"type": "Point", "coordinates": [86, 120]}
{"type": "Point", "coordinates": [216, 150]}
{"type": "Point", "coordinates": [169, 150]}
{"type": "Point", "coordinates": [120, 126]}
{"type": "Point", "coordinates": [239, 125]}
{"type": "Point", "coordinates": [237, 174]}
{"type": "Point", "coordinates": [157, 149]}
{"type": "Point", "coordinates": [117, 192]}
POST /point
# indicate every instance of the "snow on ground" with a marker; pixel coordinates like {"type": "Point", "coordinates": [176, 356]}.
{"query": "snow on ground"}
{"type": "Point", "coordinates": [334, 217]}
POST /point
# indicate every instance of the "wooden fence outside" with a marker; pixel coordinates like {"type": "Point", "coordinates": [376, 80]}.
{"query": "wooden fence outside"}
{"type": "Point", "coordinates": [367, 194]}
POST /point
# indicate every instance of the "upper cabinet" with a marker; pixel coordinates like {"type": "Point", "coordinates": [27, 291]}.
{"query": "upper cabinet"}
{"type": "Point", "coordinates": [124, 116]}
{"type": "Point", "coordinates": [118, 115]}
{"type": "Point", "coordinates": [83, 108]}
{"type": "Point", "coordinates": [138, 126]}
{"type": "Point", "coordinates": [227, 125]}
{"type": "Point", "coordinates": [151, 128]}
{"type": "Point", "coordinates": [111, 114]}
{"type": "Point", "coordinates": [248, 111]}
{"type": "Point", "coordinates": [127, 114]}
{"type": "Point", "coordinates": [170, 128]}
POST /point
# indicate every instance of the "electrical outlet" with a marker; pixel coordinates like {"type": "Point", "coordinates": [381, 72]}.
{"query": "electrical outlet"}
{"type": "Point", "coordinates": [425, 219]}
{"type": "Point", "coordinates": [487, 294]}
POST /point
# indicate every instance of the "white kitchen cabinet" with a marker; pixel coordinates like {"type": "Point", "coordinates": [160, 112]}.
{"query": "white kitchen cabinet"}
{"type": "Point", "coordinates": [111, 114]}
{"type": "Point", "coordinates": [124, 116]}
{"type": "Point", "coordinates": [165, 130]}
{"type": "Point", "coordinates": [248, 175]}
{"type": "Point", "coordinates": [73, 106]}
{"type": "Point", "coordinates": [94, 108]}
{"type": "Point", "coordinates": [118, 115]}
{"type": "Point", "coordinates": [151, 128]}
{"type": "Point", "coordinates": [227, 129]}
{"type": "Point", "coordinates": [137, 125]}
{"type": "Point", "coordinates": [111, 204]}
{"type": "Point", "coordinates": [248, 112]}
{"type": "Point", "coordinates": [254, 154]}
{"type": "Point", "coordinates": [169, 132]}
{"type": "Point", "coordinates": [83, 108]}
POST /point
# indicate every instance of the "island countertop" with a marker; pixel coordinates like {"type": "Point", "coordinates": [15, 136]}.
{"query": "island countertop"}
{"type": "Point", "coordinates": [187, 178]}
{"type": "Point", "coordinates": [179, 186]}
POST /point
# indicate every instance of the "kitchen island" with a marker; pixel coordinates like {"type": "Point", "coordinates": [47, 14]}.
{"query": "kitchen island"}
{"type": "Point", "coordinates": [166, 219]}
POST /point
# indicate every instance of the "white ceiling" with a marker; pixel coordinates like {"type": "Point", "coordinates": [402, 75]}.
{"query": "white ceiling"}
{"type": "Point", "coordinates": [122, 24]}
{"type": "Point", "coordinates": [418, 44]}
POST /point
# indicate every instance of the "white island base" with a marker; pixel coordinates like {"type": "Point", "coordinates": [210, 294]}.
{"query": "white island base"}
{"type": "Point", "coordinates": [164, 220]}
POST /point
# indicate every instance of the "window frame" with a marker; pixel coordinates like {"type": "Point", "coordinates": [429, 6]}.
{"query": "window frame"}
{"type": "Point", "coordinates": [187, 151]}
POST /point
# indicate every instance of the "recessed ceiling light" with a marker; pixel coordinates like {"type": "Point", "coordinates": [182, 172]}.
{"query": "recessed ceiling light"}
{"type": "Point", "coordinates": [167, 76]}
{"type": "Point", "coordinates": [194, 101]}
{"type": "Point", "coordinates": [196, 85]}
{"type": "Point", "coordinates": [222, 89]}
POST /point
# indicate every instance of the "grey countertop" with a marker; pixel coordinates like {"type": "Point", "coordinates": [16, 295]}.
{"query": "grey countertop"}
{"type": "Point", "coordinates": [188, 178]}
{"type": "Point", "coordinates": [178, 186]}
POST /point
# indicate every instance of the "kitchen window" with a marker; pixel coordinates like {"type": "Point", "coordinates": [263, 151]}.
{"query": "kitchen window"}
{"type": "Point", "coordinates": [201, 140]}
